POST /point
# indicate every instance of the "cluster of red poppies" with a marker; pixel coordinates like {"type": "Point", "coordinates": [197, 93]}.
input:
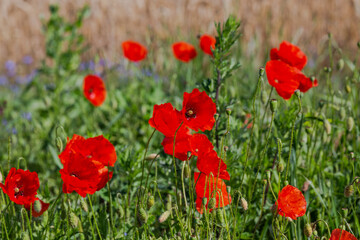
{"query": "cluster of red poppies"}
{"type": "Point", "coordinates": [21, 187]}
{"type": "Point", "coordinates": [183, 51]}
{"type": "Point", "coordinates": [97, 154]}
{"type": "Point", "coordinates": [284, 70]}
{"type": "Point", "coordinates": [197, 114]}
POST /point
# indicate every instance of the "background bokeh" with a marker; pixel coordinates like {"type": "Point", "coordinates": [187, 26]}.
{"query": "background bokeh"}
{"type": "Point", "coordinates": [265, 23]}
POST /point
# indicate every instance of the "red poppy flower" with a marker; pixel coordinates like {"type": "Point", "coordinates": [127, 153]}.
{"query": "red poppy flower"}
{"type": "Point", "coordinates": [200, 144]}
{"type": "Point", "coordinates": [97, 149]}
{"type": "Point", "coordinates": [336, 233]}
{"type": "Point", "coordinates": [286, 79]}
{"type": "Point", "coordinates": [289, 54]}
{"type": "Point", "coordinates": [34, 213]}
{"type": "Point", "coordinates": [21, 186]}
{"type": "Point", "coordinates": [291, 202]}
{"type": "Point", "coordinates": [198, 110]}
{"type": "Point", "coordinates": [247, 119]}
{"type": "Point", "coordinates": [210, 163]}
{"type": "Point", "coordinates": [84, 176]}
{"type": "Point", "coordinates": [166, 119]}
{"type": "Point", "coordinates": [182, 145]}
{"type": "Point", "coordinates": [134, 51]}
{"type": "Point", "coordinates": [94, 90]}
{"type": "Point", "coordinates": [207, 43]}
{"type": "Point", "coordinates": [205, 187]}
{"type": "Point", "coordinates": [184, 51]}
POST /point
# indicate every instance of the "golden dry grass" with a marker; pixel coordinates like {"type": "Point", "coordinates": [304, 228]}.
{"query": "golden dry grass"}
{"type": "Point", "coordinates": [265, 22]}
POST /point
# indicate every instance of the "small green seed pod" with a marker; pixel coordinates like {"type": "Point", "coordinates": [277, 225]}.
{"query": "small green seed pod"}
{"type": "Point", "coordinates": [228, 111]}
{"type": "Point", "coordinates": [150, 201]}
{"type": "Point", "coordinates": [212, 203]}
{"type": "Point", "coordinates": [204, 201]}
{"type": "Point", "coordinates": [273, 105]}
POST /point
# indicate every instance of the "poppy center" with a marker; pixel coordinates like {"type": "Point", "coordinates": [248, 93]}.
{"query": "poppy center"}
{"type": "Point", "coordinates": [190, 114]}
{"type": "Point", "coordinates": [17, 190]}
{"type": "Point", "coordinates": [74, 175]}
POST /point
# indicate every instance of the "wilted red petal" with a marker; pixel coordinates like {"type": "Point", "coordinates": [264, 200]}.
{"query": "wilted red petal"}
{"type": "Point", "coordinates": [200, 144]}
{"type": "Point", "coordinates": [134, 51]}
{"type": "Point", "coordinates": [289, 54]}
{"type": "Point", "coordinates": [207, 43]}
{"type": "Point", "coordinates": [306, 83]}
{"type": "Point", "coordinates": [336, 233]}
{"type": "Point", "coordinates": [198, 110]}
{"type": "Point", "coordinates": [21, 186]}
{"type": "Point", "coordinates": [184, 51]}
{"type": "Point", "coordinates": [210, 163]}
{"type": "Point", "coordinates": [291, 202]}
{"type": "Point", "coordinates": [94, 90]}
{"type": "Point", "coordinates": [205, 187]}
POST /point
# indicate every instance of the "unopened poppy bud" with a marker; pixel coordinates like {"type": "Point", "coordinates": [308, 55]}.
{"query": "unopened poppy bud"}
{"type": "Point", "coordinates": [187, 171]}
{"type": "Point", "coordinates": [121, 211]}
{"type": "Point", "coordinates": [342, 113]}
{"type": "Point", "coordinates": [37, 206]}
{"type": "Point", "coordinates": [244, 204]}
{"type": "Point", "coordinates": [164, 216]}
{"type": "Point", "coordinates": [350, 124]}
{"type": "Point", "coordinates": [74, 220]}
{"type": "Point", "coordinates": [142, 216]}
{"type": "Point", "coordinates": [327, 126]}
{"type": "Point", "coordinates": [340, 64]}
{"type": "Point", "coordinates": [315, 233]}
{"type": "Point", "coordinates": [265, 181]}
{"type": "Point", "coordinates": [212, 203]}
{"type": "Point", "coordinates": [348, 88]}
{"type": "Point", "coordinates": [321, 103]}
{"type": "Point", "coordinates": [308, 230]}
{"type": "Point", "coordinates": [59, 144]}
{"type": "Point", "coordinates": [273, 105]}
{"type": "Point", "coordinates": [150, 201]}
{"type": "Point", "coordinates": [264, 97]}
{"type": "Point", "coordinates": [204, 201]}
{"type": "Point", "coordinates": [219, 216]}
{"type": "Point", "coordinates": [228, 111]}
{"type": "Point", "coordinates": [280, 167]}
{"type": "Point", "coordinates": [25, 236]}
{"type": "Point", "coordinates": [286, 183]}
{"type": "Point", "coordinates": [349, 190]}
{"type": "Point", "coordinates": [151, 156]}
{"type": "Point", "coordinates": [226, 148]}
{"type": "Point", "coordinates": [216, 116]}
{"type": "Point", "coordinates": [179, 197]}
{"type": "Point", "coordinates": [298, 93]}
{"type": "Point", "coordinates": [84, 205]}
{"type": "Point", "coordinates": [261, 72]}
{"type": "Point", "coordinates": [168, 203]}
{"type": "Point", "coordinates": [268, 174]}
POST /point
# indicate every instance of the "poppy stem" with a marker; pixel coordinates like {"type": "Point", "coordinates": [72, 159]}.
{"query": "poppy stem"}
{"type": "Point", "coordinates": [218, 84]}
{"type": "Point", "coordinates": [93, 213]}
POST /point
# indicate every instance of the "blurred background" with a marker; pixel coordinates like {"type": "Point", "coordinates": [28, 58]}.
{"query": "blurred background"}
{"type": "Point", "coordinates": [152, 22]}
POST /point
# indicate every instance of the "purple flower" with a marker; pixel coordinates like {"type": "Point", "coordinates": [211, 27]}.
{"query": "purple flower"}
{"type": "Point", "coordinates": [27, 60]}
{"type": "Point", "coordinates": [3, 80]}
{"type": "Point", "coordinates": [4, 122]}
{"type": "Point", "coordinates": [102, 62]}
{"type": "Point", "coordinates": [27, 116]}
{"type": "Point", "coordinates": [91, 65]}
{"type": "Point", "coordinates": [14, 131]}
{"type": "Point", "coordinates": [11, 68]}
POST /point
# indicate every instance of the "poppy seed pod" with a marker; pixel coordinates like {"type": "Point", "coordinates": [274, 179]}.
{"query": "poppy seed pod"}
{"type": "Point", "coordinates": [164, 216]}
{"type": "Point", "coordinates": [349, 190]}
{"type": "Point", "coordinates": [212, 203]}
{"type": "Point", "coordinates": [244, 204]}
{"type": "Point", "coordinates": [327, 126]}
{"type": "Point", "coordinates": [150, 201]}
{"type": "Point", "coordinates": [308, 230]}
{"type": "Point", "coordinates": [350, 123]}
{"type": "Point", "coordinates": [273, 105]}
{"type": "Point", "coordinates": [228, 111]}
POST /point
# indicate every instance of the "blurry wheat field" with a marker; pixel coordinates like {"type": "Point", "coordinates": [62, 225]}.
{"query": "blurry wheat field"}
{"type": "Point", "coordinates": [153, 22]}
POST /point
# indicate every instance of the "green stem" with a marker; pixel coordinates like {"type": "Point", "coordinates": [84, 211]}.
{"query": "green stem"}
{"type": "Point", "coordinates": [93, 213]}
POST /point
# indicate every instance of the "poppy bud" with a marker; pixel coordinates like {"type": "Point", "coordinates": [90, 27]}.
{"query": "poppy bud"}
{"type": "Point", "coordinates": [298, 93]}
{"type": "Point", "coordinates": [187, 171]}
{"type": "Point", "coordinates": [164, 216]}
{"type": "Point", "coordinates": [342, 113]}
{"type": "Point", "coordinates": [228, 111]}
{"type": "Point", "coordinates": [204, 201]}
{"type": "Point", "coordinates": [59, 144]}
{"type": "Point", "coordinates": [84, 205]}
{"type": "Point", "coordinates": [349, 191]}
{"type": "Point", "coordinates": [179, 197]}
{"type": "Point", "coordinates": [25, 236]}
{"type": "Point", "coordinates": [74, 220]}
{"type": "Point", "coordinates": [264, 97]}
{"type": "Point", "coordinates": [340, 64]}
{"type": "Point", "coordinates": [348, 88]}
{"type": "Point", "coordinates": [168, 203]}
{"type": "Point", "coordinates": [150, 201]}
{"type": "Point", "coordinates": [23, 212]}
{"type": "Point", "coordinates": [219, 216]}
{"type": "Point", "coordinates": [142, 216]}
{"type": "Point", "coordinates": [321, 103]}
{"type": "Point", "coordinates": [244, 204]}
{"type": "Point", "coordinates": [286, 183]}
{"type": "Point", "coordinates": [212, 203]}
{"type": "Point", "coordinates": [350, 124]}
{"type": "Point", "coordinates": [121, 211]}
{"type": "Point", "coordinates": [265, 181]}
{"type": "Point", "coordinates": [327, 126]}
{"type": "Point", "coordinates": [280, 167]}
{"type": "Point", "coordinates": [273, 105]}
{"type": "Point", "coordinates": [315, 233]}
{"type": "Point", "coordinates": [268, 174]}
{"type": "Point", "coordinates": [37, 206]}
{"type": "Point", "coordinates": [151, 156]}
{"type": "Point", "coordinates": [216, 116]}
{"type": "Point", "coordinates": [308, 230]}
{"type": "Point", "coordinates": [261, 72]}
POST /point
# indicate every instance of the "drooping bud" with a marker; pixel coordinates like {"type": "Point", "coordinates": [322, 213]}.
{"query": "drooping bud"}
{"type": "Point", "coordinates": [327, 126]}
{"type": "Point", "coordinates": [84, 205]}
{"type": "Point", "coordinates": [308, 230]}
{"type": "Point", "coordinates": [286, 183]}
{"type": "Point", "coordinates": [216, 116]}
{"type": "Point", "coordinates": [264, 97]}
{"type": "Point", "coordinates": [349, 190]}
{"type": "Point", "coordinates": [204, 201]}
{"type": "Point", "coordinates": [142, 216]}
{"type": "Point", "coordinates": [121, 211]}
{"type": "Point", "coordinates": [212, 203]}
{"type": "Point", "coordinates": [280, 167]}
{"type": "Point", "coordinates": [244, 204]}
{"type": "Point", "coordinates": [164, 216]}
{"type": "Point", "coordinates": [298, 93]}
{"type": "Point", "coordinates": [273, 105]}
{"type": "Point", "coordinates": [37, 206]}
{"type": "Point", "coordinates": [340, 64]}
{"type": "Point", "coordinates": [59, 144]}
{"type": "Point", "coordinates": [228, 111]}
{"type": "Point", "coordinates": [350, 123]}
{"type": "Point", "coordinates": [74, 220]}
{"type": "Point", "coordinates": [169, 203]}
{"type": "Point", "coordinates": [261, 72]}
{"type": "Point", "coordinates": [150, 201]}
{"type": "Point", "coordinates": [219, 216]}
{"type": "Point", "coordinates": [151, 156]}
